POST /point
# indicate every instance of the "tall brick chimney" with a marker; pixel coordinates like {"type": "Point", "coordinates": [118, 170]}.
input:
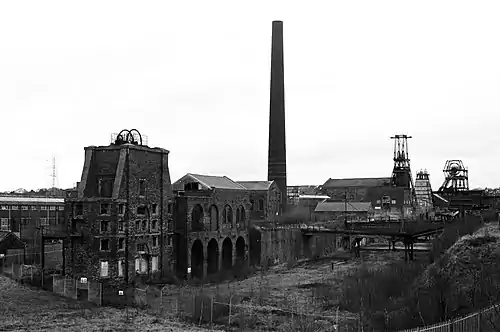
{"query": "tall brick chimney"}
{"type": "Point", "coordinates": [276, 168]}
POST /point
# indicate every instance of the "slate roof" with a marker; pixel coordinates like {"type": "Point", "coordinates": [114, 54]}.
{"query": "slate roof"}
{"type": "Point", "coordinates": [211, 181]}
{"type": "Point", "coordinates": [256, 185]}
{"type": "Point", "coordinates": [357, 182]}
{"type": "Point", "coordinates": [341, 207]}
{"type": "Point", "coordinates": [30, 200]}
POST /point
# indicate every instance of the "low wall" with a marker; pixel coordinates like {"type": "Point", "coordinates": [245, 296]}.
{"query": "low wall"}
{"type": "Point", "coordinates": [287, 244]}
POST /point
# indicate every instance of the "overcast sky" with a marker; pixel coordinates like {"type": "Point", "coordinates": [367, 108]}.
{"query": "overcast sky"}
{"type": "Point", "coordinates": [194, 77]}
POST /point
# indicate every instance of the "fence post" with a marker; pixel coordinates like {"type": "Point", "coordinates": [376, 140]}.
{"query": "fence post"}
{"type": "Point", "coordinates": [211, 311]}
{"type": "Point", "coordinates": [229, 318]}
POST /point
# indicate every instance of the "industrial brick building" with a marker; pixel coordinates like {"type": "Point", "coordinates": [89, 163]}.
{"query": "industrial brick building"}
{"type": "Point", "coordinates": [265, 199]}
{"type": "Point", "coordinates": [118, 217]}
{"type": "Point", "coordinates": [218, 213]}
{"type": "Point", "coordinates": [28, 217]}
{"type": "Point", "coordinates": [387, 200]}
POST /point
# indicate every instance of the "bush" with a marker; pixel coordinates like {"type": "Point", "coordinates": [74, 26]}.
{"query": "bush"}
{"type": "Point", "coordinates": [388, 299]}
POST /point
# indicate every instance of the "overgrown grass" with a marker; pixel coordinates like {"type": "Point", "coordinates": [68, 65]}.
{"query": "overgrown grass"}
{"type": "Point", "coordinates": [390, 297]}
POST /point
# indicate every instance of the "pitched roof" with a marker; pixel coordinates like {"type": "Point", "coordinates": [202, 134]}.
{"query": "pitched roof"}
{"type": "Point", "coordinates": [357, 182]}
{"type": "Point", "coordinates": [30, 200]}
{"type": "Point", "coordinates": [256, 185]}
{"type": "Point", "coordinates": [17, 243]}
{"type": "Point", "coordinates": [211, 181]}
{"type": "Point", "coordinates": [341, 207]}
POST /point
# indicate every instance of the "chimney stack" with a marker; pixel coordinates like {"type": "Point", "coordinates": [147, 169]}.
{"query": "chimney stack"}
{"type": "Point", "coordinates": [276, 170]}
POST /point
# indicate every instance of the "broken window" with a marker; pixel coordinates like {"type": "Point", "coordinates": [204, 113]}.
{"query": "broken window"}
{"type": "Point", "coordinates": [24, 207]}
{"type": "Point", "coordinates": [104, 244]}
{"type": "Point", "coordinates": [104, 208]}
{"type": "Point", "coordinates": [191, 186]}
{"type": "Point", "coordinates": [261, 204]}
{"type": "Point", "coordinates": [141, 210]}
{"type": "Point", "coordinates": [78, 209]}
{"type": "Point", "coordinates": [5, 225]}
{"type": "Point", "coordinates": [142, 187]}
{"type": "Point", "coordinates": [121, 226]}
{"type": "Point", "coordinates": [214, 218]}
{"type": "Point", "coordinates": [105, 187]}
{"type": "Point", "coordinates": [197, 218]}
{"type": "Point", "coordinates": [105, 225]}
{"type": "Point", "coordinates": [141, 247]}
{"type": "Point", "coordinates": [121, 243]}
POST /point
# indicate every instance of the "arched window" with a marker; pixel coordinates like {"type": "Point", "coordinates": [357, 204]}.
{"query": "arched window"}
{"type": "Point", "coordinates": [214, 218]}
{"type": "Point", "coordinates": [197, 218]}
{"type": "Point", "coordinates": [227, 216]}
{"type": "Point", "coordinates": [240, 217]}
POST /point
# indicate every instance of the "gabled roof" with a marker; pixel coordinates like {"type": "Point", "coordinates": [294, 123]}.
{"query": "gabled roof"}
{"type": "Point", "coordinates": [210, 181]}
{"type": "Point", "coordinates": [256, 185]}
{"type": "Point", "coordinates": [357, 182]}
{"type": "Point", "coordinates": [16, 242]}
{"type": "Point", "coordinates": [326, 206]}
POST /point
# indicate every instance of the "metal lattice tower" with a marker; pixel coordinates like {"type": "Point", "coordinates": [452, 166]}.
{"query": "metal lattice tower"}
{"type": "Point", "coordinates": [401, 172]}
{"type": "Point", "coordinates": [456, 177]}
{"type": "Point", "coordinates": [423, 190]}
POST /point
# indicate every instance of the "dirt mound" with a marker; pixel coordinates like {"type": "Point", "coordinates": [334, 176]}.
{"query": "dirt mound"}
{"type": "Point", "coordinates": [465, 279]}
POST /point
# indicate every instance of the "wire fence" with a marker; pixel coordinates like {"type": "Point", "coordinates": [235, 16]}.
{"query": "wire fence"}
{"type": "Point", "coordinates": [257, 305]}
{"type": "Point", "coordinates": [483, 320]}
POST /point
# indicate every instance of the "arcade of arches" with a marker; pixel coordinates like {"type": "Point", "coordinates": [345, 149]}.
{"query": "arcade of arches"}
{"type": "Point", "coordinates": [214, 224]}
{"type": "Point", "coordinates": [217, 258]}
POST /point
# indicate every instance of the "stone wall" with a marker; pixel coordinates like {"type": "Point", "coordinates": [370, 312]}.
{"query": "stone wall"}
{"type": "Point", "coordinates": [285, 244]}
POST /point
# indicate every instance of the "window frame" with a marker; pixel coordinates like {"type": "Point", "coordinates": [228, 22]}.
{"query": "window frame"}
{"type": "Point", "coordinates": [100, 245]}
{"type": "Point", "coordinates": [101, 268]}
{"type": "Point", "coordinates": [108, 210]}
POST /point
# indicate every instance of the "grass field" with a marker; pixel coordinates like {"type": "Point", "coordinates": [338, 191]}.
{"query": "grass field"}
{"type": "Point", "coordinates": [24, 308]}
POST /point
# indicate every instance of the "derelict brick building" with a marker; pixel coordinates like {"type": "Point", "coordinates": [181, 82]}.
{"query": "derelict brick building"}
{"type": "Point", "coordinates": [118, 219]}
